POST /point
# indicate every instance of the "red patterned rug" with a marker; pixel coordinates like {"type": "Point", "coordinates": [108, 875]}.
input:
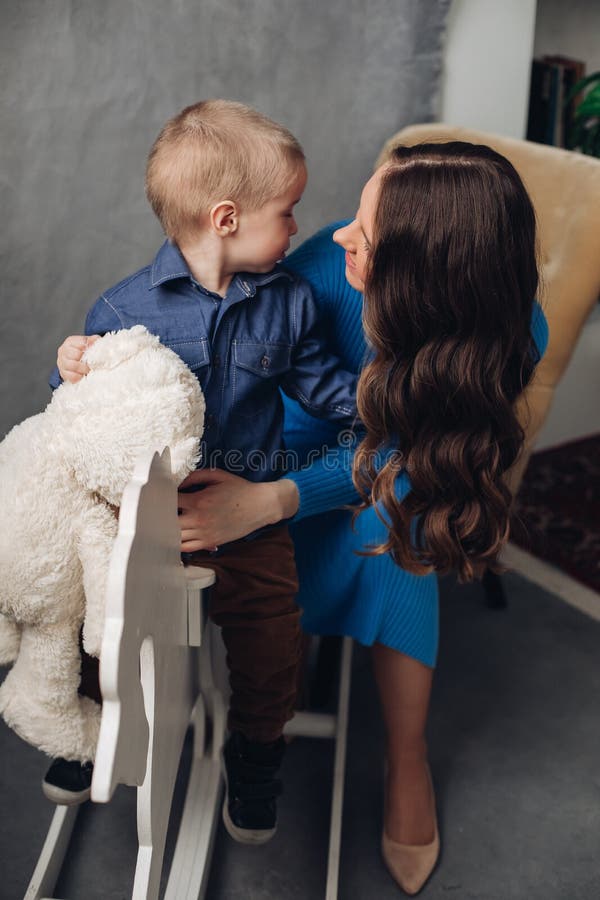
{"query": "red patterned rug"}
{"type": "Point", "coordinates": [557, 515]}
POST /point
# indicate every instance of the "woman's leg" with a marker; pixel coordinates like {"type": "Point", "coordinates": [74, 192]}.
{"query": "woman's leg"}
{"type": "Point", "coordinates": [404, 686]}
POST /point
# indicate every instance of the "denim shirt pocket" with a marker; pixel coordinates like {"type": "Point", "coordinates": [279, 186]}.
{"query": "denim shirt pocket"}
{"type": "Point", "coordinates": [195, 354]}
{"type": "Point", "coordinates": [258, 368]}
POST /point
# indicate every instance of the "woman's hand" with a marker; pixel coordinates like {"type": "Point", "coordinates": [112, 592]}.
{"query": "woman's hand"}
{"type": "Point", "coordinates": [229, 507]}
{"type": "Point", "coordinates": [69, 356]}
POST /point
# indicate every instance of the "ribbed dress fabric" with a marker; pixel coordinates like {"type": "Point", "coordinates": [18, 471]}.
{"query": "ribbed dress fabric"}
{"type": "Point", "coordinates": [369, 598]}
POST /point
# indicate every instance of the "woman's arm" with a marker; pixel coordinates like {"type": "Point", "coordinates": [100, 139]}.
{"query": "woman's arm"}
{"type": "Point", "coordinates": [229, 507]}
{"type": "Point", "coordinates": [324, 484]}
{"type": "Point", "coordinates": [539, 329]}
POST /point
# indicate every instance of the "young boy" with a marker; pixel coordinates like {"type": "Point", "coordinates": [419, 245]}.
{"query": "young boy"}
{"type": "Point", "coordinates": [223, 181]}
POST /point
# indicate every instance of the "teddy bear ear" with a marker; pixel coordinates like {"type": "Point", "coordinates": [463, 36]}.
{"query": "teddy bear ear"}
{"type": "Point", "coordinates": [138, 396]}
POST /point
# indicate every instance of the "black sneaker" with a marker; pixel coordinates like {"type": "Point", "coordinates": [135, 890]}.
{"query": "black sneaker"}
{"type": "Point", "coordinates": [250, 809]}
{"type": "Point", "coordinates": [68, 782]}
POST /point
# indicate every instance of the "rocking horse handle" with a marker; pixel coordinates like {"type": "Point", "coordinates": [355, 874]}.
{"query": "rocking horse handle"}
{"type": "Point", "coordinates": [197, 579]}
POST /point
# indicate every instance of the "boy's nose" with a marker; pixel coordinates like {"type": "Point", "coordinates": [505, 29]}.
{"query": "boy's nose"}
{"type": "Point", "coordinates": [293, 227]}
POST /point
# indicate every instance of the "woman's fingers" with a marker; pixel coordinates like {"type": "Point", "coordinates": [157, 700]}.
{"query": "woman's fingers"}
{"type": "Point", "coordinates": [204, 476]}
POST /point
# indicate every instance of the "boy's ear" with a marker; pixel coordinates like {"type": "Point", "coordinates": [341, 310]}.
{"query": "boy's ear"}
{"type": "Point", "coordinates": [224, 218]}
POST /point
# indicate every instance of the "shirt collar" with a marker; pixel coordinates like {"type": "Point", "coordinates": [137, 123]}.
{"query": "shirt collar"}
{"type": "Point", "coordinates": [169, 264]}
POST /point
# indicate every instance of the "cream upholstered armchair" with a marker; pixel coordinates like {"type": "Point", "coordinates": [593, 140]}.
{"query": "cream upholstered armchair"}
{"type": "Point", "coordinates": [565, 190]}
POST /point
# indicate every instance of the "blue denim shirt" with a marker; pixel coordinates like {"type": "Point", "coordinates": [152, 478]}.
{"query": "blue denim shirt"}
{"type": "Point", "coordinates": [263, 335]}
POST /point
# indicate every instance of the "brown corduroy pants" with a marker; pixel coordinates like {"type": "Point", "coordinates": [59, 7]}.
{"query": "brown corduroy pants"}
{"type": "Point", "coordinates": [253, 603]}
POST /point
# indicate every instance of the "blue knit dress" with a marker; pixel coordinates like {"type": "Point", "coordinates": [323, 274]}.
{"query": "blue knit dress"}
{"type": "Point", "coordinates": [369, 598]}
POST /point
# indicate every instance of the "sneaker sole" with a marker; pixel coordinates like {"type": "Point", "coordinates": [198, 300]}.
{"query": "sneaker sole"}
{"type": "Point", "coordinates": [255, 837]}
{"type": "Point", "coordinates": [252, 836]}
{"type": "Point", "coordinates": [65, 798]}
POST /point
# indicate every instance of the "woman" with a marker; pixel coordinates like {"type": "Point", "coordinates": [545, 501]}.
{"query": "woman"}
{"type": "Point", "coordinates": [443, 247]}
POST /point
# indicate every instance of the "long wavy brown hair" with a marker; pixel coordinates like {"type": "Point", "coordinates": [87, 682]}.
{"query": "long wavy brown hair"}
{"type": "Point", "coordinates": [449, 292]}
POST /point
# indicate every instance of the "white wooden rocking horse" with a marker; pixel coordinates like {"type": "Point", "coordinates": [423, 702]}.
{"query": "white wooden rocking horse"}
{"type": "Point", "coordinates": [163, 670]}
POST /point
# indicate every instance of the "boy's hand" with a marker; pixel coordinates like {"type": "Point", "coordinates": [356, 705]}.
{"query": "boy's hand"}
{"type": "Point", "coordinates": [69, 356]}
{"type": "Point", "coordinates": [229, 507]}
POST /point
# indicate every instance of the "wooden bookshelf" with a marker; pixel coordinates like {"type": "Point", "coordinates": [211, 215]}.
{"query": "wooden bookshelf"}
{"type": "Point", "coordinates": [552, 79]}
{"type": "Point", "coordinates": [566, 48]}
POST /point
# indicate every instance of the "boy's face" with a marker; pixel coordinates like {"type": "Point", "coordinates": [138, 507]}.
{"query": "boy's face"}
{"type": "Point", "coordinates": [264, 234]}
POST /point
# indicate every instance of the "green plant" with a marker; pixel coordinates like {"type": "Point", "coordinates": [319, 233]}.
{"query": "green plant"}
{"type": "Point", "coordinates": [584, 131]}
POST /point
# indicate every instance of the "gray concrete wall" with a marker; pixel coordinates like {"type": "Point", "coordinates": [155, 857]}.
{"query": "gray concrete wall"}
{"type": "Point", "coordinates": [86, 86]}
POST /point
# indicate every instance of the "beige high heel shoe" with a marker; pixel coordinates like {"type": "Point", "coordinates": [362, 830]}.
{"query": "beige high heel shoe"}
{"type": "Point", "coordinates": [411, 864]}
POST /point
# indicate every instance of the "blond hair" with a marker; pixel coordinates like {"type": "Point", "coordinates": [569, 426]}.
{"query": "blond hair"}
{"type": "Point", "coordinates": [217, 150]}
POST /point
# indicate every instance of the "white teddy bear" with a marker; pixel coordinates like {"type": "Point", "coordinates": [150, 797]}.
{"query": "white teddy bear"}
{"type": "Point", "coordinates": [60, 473]}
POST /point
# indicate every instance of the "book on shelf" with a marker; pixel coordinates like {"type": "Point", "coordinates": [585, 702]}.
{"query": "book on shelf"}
{"type": "Point", "coordinates": [549, 118]}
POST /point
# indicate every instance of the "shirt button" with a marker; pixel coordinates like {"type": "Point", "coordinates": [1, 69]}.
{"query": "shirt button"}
{"type": "Point", "coordinates": [265, 362]}
{"type": "Point", "coordinates": [217, 362]}
{"type": "Point", "coordinates": [210, 420]}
